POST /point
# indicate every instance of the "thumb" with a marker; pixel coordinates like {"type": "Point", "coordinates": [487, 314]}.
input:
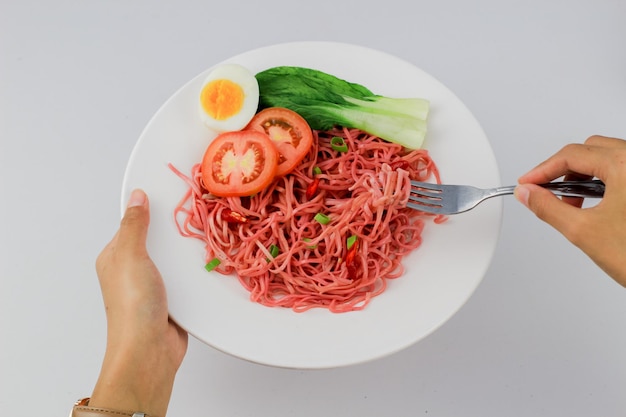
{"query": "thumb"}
{"type": "Point", "coordinates": [546, 206]}
{"type": "Point", "coordinates": [134, 226]}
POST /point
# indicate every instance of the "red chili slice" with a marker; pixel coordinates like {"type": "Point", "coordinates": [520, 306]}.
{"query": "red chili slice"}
{"type": "Point", "coordinates": [350, 259]}
{"type": "Point", "coordinates": [311, 190]}
{"type": "Point", "coordinates": [231, 216]}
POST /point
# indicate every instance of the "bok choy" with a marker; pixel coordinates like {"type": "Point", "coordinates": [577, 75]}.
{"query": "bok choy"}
{"type": "Point", "coordinates": [326, 101]}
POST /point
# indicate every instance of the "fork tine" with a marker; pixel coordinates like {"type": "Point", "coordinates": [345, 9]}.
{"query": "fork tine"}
{"type": "Point", "coordinates": [427, 186]}
{"type": "Point", "coordinates": [426, 197]}
{"type": "Point", "coordinates": [427, 190]}
{"type": "Point", "coordinates": [426, 208]}
{"type": "Point", "coordinates": [425, 193]}
{"type": "Point", "coordinates": [429, 201]}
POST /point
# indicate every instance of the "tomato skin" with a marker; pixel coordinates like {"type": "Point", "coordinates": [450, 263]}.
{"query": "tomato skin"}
{"type": "Point", "coordinates": [289, 132]}
{"type": "Point", "coordinates": [237, 164]}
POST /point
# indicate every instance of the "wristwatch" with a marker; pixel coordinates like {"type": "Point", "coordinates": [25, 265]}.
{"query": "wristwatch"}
{"type": "Point", "coordinates": [82, 409]}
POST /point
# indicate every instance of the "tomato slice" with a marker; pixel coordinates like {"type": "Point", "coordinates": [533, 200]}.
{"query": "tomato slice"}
{"type": "Point", "coordinates": [289, 132]}
{"type": "Point", "coordinates": [239, 164]}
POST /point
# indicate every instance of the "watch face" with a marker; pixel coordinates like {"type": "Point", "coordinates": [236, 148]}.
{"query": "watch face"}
{"type": "Point", "coordinates": [83, 401]}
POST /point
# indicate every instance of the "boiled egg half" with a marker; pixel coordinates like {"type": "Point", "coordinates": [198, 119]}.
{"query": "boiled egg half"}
{"type": "Point", "coordinates": [229, 98]}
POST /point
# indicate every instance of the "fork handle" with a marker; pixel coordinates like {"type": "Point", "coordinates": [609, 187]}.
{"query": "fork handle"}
{"type": "Point", "coordinates": [588, 189]}
{"type": "Point", "coordinates": [584, 189]}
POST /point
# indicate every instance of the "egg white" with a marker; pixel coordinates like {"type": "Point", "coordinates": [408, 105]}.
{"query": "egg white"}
{"type": "Point", "coordinates": [250, 87]}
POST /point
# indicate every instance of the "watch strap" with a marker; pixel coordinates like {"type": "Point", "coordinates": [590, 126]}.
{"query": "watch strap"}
{"type": "Point", "coordinates": [82, 409]}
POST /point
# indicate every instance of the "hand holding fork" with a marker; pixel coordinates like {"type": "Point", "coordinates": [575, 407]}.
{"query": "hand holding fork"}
{"type": "Point", "coordinates": [599, 231]}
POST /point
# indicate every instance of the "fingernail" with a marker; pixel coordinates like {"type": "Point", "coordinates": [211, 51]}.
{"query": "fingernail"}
{"type": "Point", "coordinates": [522, 193]}
{"type": "Point", "coordinates": [137, 198]}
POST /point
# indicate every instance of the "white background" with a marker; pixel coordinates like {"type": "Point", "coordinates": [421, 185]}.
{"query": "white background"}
{"type": "Point", "coordinates": [543, 335]}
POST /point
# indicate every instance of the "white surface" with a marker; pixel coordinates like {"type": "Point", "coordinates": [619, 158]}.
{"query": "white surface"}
{"type": "Point", "coordinates": [543, 334]}
{"type": "Point", "coordinates": [218, 311]}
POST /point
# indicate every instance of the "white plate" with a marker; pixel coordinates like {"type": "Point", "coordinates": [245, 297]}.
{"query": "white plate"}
{"type": "Point", "coordinates": [440, 276]}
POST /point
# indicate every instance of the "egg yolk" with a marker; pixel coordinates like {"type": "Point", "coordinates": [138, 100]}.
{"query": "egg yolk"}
{"type": "Point", "coordinates": [222, 99]}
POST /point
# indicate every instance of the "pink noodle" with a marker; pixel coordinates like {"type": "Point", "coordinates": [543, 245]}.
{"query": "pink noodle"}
{"type": "Point", "coordinates": [361, 194]}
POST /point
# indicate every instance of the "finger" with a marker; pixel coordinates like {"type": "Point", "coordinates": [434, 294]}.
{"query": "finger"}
{"type": "Point", "coordinates": [605, 141]}
{"type": "Point", "coordinates": [134, 226]}
{"type": "Point", "coordinates": [585, 160]}
{"type": "Point", "coordinates": [547, 206]}
{"type": "Point", "coordinates": [573, 201]}
{"type": "Point", "coordinates": [103, 258]}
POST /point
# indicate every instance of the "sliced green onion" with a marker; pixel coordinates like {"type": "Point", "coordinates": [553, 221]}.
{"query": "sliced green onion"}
{"type": "Point", "coordinates": [350, 241]}
{"type": "Point", "coordinates": [317, 170]}
{"type": "Point", "coordinates": [338, 144]}
{"type": "Point", "coordinates": [274, 251]}
{"type": "Point", "coordinates": [306, 239]}
{"type": "Point", "coordinates": [212, 265]}
{"type": "Point", "coordinates": [322, 218]}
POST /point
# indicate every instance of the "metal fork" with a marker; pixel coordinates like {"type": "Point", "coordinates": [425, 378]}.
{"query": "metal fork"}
{"type": "Point", "coordinates": [453, 199]}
